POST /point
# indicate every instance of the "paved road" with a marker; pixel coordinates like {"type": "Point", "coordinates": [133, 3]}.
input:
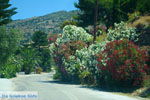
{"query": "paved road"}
{"type": "Point", "coordinates": [52, 90]}
{"type": "Point", "coordinates": [6, 84]}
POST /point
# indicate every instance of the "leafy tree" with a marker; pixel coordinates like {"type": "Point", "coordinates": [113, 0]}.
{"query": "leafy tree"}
{"type": "Point", "coordinates": [89, 13]}
{"type": "Point", "coordinates": [6, 12]}
{"type": "Point", "coordinates": [94, 12]}
{"type": "Point", "coordinates": [143, 6]}
{"type": "Point", "coordinates": [29, 59]}
{"type": "Point", "coordinates": [108, 11]}
{"type": "Point", "coordinates": [45, 59]}
{"type": "Point", "coordinates": [40, 43]}
{"type": "Point", "coordinates": [39, 39]}
{"type": "Point", "coordinates": [12, 66]}
{"type": "Point", "coordinates": [9, 42]}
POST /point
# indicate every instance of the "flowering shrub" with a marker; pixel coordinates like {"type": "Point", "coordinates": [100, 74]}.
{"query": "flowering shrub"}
{"type": "Point", "coordinates": [125, 62]}
{"type": "Point", "coordinates": [63, 56]}
{"type": "Point", "coordinates": [53, 37]}
{"type": "Point", "coordinates": [73, 33]}
{"type": "Point", "coordinates": [85, 58]}
{"type": "Point", "coordinates": [122, 31]}
{"type": "Point", "coordinates": [81, 65]}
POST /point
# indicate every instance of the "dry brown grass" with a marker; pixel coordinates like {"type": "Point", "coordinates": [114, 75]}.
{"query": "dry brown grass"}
{"type": "Point", "coordinates": [143, 20]}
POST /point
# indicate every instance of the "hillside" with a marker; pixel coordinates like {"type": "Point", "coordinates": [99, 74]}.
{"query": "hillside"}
{"type": "Point", "coordinates": [49, 23]}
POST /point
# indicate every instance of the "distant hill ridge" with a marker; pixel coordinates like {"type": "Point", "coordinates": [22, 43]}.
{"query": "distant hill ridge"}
{"type": "Point", "coordinates": [49, 23]}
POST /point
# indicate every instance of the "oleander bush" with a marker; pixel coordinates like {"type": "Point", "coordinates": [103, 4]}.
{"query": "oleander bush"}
{"type": "Point", "coordinates": [73, 39]}
{"type": "Point", "coordinates": [112, 61]}
{"type": "Point", "coordinates": [63, 54]}
{"type": "Point", "coordinates": [73, 33]}
{"type": "Point", "coordinates": [122, 31]}
{"type": "Point", "coordinates": [87, 60]}
{"type": "Point", "coordinates": [53, 37]}
{"type": "Point", "coordinates": [125, 63]}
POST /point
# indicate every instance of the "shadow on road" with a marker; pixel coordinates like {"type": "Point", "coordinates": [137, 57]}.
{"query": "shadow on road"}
{"type": "Point", "coordinates": [112, 89]}
{"type": "Point", "coordinates": [59, 82]}
{"type": "Point", "coordinates": [95, 88]}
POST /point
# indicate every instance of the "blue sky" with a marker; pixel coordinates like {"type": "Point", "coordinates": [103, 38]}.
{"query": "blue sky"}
{"type": "Point", "coordinates": [32, 8]}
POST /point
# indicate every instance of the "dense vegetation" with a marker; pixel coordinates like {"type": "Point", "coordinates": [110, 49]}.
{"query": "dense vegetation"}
{"type": "Point", "coordinates": [109, 49]}
{"type": "Point", "coordinates": [104, 44]}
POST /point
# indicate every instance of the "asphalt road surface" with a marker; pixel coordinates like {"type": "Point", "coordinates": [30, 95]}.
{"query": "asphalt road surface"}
{"type": "Point", "coordinates": [53, 90]}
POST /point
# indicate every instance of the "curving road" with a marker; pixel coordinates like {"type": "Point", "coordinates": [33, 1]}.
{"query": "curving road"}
{"type": "Point", "coordinates": [52, 90]}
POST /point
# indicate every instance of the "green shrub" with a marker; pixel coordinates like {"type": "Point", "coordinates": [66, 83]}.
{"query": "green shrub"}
{"type": "Point", "coordinates": [9, 40]}
{"type": "Point", "coordinates": [101, 38]}
{"type": "Point", "coordinates": [146, 82]}
{"type": "Point", "coordinates": [12, 66]}
{"type": "Point", "coordinates": [38, 70]}
{"type": "Point", "coordinates": [122, 31]}
{"type": "Point", "coordinates": [9, 43]}
{"type": "Point", "coordinates": [133, 16]}
{"type": "Point", "coordinates": [29, 59]}
{"type": "Point", "coordinates": [86, 77]}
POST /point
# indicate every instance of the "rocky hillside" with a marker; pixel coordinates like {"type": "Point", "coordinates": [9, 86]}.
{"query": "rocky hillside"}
{"type": "Point", "coordinates": [49, 23]}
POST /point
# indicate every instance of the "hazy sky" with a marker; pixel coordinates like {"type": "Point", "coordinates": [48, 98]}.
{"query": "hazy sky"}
{"type": "Point", "coordinates": [31, 8]}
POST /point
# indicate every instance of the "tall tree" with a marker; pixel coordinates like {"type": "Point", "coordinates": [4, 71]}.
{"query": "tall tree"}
{"type": "Point", "coordinates": [39, 39]}
{"type": "Point", "coordinates": [6, 12]}
{"type": "Point", "coordinates": [143, 6]}
{"type": "Point", "coordinates": [91, 12]}
{"type": "Point", "coordinates": [9, 42]}
{"type": "Point", "coordinates": [40, 43]}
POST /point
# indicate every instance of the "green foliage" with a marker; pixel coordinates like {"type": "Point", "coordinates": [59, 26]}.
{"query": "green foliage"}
{"type": "Point", "coordinates": [109, 11]}
{"type": "Point", "coordinates": [143, 6]}
{"type": "Point", "coordinates": [38, 70]}
{"type": "Point", "coordinates": [68, 22]}
{"type": "Point", "coordinates": [122, 31]}
{"type": "Point", "coordinates": [86, 78]}
{"type": "Point", "coordinates": [146, 82]}
{"type": "Point", "coordinates": [101, 38]}
{"type": "Point", "coordinates": [12, 66]}
{"type": "Point", "coordinates": [57, 74]}
{"type": "Point", "coordinates": [39, 39]}
{"type": "Point", "coordinates": [9, 42]}
{"type": "Point", "coordinates": [133, 16]}
{"type": "Point", "coordinates": [45, 59]}
{"type": "Point", "coordinates": [40, 43]}
{"type": "Point", "coordinates": [29, 59]}
{"type": "Point", "coordinates": [87, 8]}
{"type": "Point", "coordinates": [6, 12]}
{"type": "Point", "coordinates": [142, 25]}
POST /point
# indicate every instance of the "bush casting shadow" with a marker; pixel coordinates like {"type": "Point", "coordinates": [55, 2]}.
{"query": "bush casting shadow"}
{"type": "Point", "coordinates": [112, 89]}
{"type": "Point", "coordinates": [60, 82]}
